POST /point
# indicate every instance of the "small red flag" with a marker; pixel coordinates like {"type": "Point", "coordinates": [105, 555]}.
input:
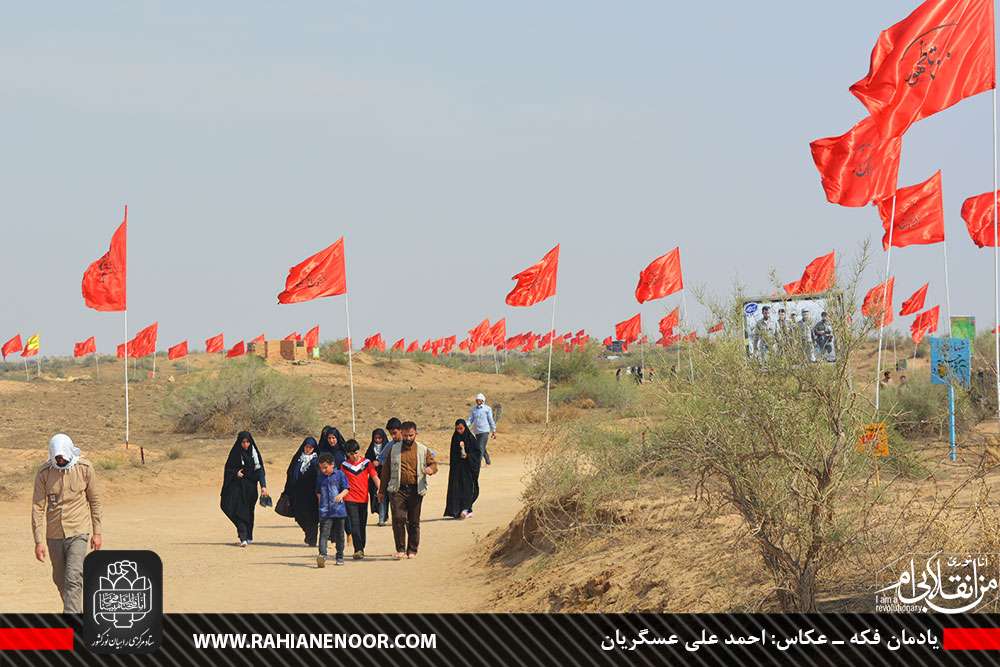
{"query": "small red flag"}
{"type": "Point", "coordinates": [215, 344]}
{"type": "Point", "coordinates": [11, 346]}
{"type": "Point", "coordinates": [449, 344]}
{"type": "Point", "coordinates": [661, 278]}
{"type": "Point", "coordinates": [630, 330]}
{"type": "Point", "coordinates": [671, 320]}
{"type": "Point", "coordinates": [312, 338]}
{"type": "Point", "coordinates": [919, 218]}
{"type": "Point", "coordinates": [817, 277]}
{"type": "Point", "coordinates": [978, 215]}
{"type": "Point", "coordinates": [104, 281]}
{"type": "Point", "coordinates": [414, 347]}
{"type": "Point", "coordinates": [178, 351]}
{"type": "Point", "coordinates": [607, 341]}
{"type": "Point", "coordinates": [86, 347]}
{"type": "Point", "coordinates": [426, 347]}
{"type": "Point", "coordinates": [464, 345]}
{"type": "Point", "coordinates": [259, 340]}
{"type": "Point", "coordinates": [858, 167]}
{"type": "Point", "coordinates": [717, 328]}
{"type": "Point", "coordinates": [480, 334]}
{"type": "Point", "coordinates": [691, 337]}
{"type": "Point", "coordinates": [321, 275]}
{"type": "Point", "coordinates": [498, 333]}
{"type": "Point", "coordinates": [915, 303]}
{"type": "Point", "coordinates": [237, 350]}
{"type": "Point", "coordinates": [668, 340]}
{"type": "Point", "coordinates": [399, 345]}
{"type": "Point", "coordinates": [878, 301]}
{"type": "Point", "coordinates": [536, 283]}
{"type": "Point", "coordinates": [937, 56]}
{"type": "Point", "coordinates": [144, 343]}
{"type": "Point", "coordinates": [120, 350]}
{"type": "Point", "coordinates": [293, 336]}
{"type": "Point", "coordinates": [924, 323]}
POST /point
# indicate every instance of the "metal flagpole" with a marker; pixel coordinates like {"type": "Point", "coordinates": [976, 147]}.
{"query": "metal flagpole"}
{"type": "Point", "coordinates": [947, 288]}
{"type": "Point", "coordinates": [953, 452]}
{"type": "Point", "coordinates": [26, 376]}
{"type": "Point", "coordinates": [548, 381]}
{"type": "Point", "coordinates": [350, 359]}
{"type": "Point", "coordinates": [126, 377]}
{"type": "Point", "coordinates": [97, 362]}
{"type": "Point", "coordinates": [881, 320]}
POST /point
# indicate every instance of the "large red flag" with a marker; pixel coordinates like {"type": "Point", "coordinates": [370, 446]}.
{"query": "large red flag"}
{"type": "Point", "coordinates": [978, 215]}
{"type": "Point", "coordinates": [86, 347]}
{"type": "Point", "coordinates": [312, 338]}
{"type": "Point", "coordinates": [321, 275]}
{"type": "Point", "coordinates": [858, 167]}
{"type": "Point", "coordinates": [924, 323]}
{"type": "Point", "coordinates": [237, 350]}
{"type": "Point", "coordinates": [817, 277]}
{"type": "Point", "coordinates": [661, 278]}
{"type": "Point", "coordinates": [104, 281]}
{"type": "Point", "coordinates": [937, 56]}
{"type": "Point", "coordinates": [144, 343]}
{"type": "Point", "coordinates": [414, 346]}
{"type": "Point", "coordinates": [11, 346]}
{"type": "Point", "coordinates": [919, 218]}
{"type": "Point", "coordinates": [671, 320]}
{"type": "Point", "coordinates": [878, 300]}
{"type": "Point", "coordinates": [630, 329]}
{"type": "Point", "coordinates": [215, 344]}
{"type": "Point", "coordinates": [178, 351]}
{"type": "Point", "coordinates": [536, 283]}
{"type": "Point", "coordinates": [399, 345]}
{"type": "Point", "coordinates": [717, 328]}
{"type": "Point", "coordinates": [480, 334]}
{"type": "Point", "coordinates": [915, 303]}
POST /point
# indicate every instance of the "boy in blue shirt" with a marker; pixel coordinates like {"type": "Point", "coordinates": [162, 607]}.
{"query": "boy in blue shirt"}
{"type": "Point", "coordinates": [331, 489]}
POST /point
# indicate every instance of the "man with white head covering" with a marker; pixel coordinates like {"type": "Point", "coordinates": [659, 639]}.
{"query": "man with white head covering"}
{"type": "Point", "coordinates": [482, 424]}
{"type": "Point", "coordinates": [65, 515]}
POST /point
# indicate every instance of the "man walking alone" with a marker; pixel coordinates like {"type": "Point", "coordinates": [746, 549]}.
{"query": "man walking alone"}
{"type": "Point", "coordinates": [482, 424]}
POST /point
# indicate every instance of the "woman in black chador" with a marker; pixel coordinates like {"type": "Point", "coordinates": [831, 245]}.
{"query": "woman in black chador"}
{"type": "Point", "coordinates": [463, 472]}
{"type": "Point", "coordinates": [300, 489]}
{"type": "Point", "coordinates": [244, 470]}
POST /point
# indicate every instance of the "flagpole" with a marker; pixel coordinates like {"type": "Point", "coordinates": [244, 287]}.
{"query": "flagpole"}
{"type": "Point", "coordinates": [26, 376]}
{"type": "Point", "coordinates": [885, 306]}
{"type": "Point", "coordinates": [684, 304]}
{"type": "Point", "coordinates": [350, 359]}
{"type": "Point", "coordinates": [548, 381]}
{"type": "Point", "coordinates": [947, 288]}
{"type": "Point", "coordinates": [97, 362]}
{"type": "Point", "coordinates": [126, 377]}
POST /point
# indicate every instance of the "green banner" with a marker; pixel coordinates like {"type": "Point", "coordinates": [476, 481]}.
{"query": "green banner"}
{"type": "Point", "coordinates": [964, 327]}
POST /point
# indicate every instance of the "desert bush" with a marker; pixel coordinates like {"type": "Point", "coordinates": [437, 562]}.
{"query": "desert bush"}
{"type": "Point", "coordinates": [517, 366]}
{"type": "Point", "coordinates": [599, 388]}
{"type": "Point", "coordinates": [333, 352]}
{"type": "Point", "coordinates": [566, 366]}
{"type": "Point", "coordinates": [245, 394]}
{"type": "Point", "coordinates": [920, 409]}
{"type": "Point", "coordinates": [174, 453]}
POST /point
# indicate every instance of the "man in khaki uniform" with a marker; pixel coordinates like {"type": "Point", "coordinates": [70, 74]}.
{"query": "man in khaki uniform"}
{"type": "Point", "coordinates": [65, 513]}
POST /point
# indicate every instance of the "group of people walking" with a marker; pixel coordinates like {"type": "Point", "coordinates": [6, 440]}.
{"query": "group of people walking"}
{"type": "Point", "coordinates": [331, 486]}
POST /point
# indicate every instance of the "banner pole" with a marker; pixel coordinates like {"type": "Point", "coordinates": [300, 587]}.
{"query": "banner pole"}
{"type": "Point", "coordinates": [548, 380]}
{"type": "Point", "coordinates": [126, 375]}
{"type": "Point", "coordinates": [26, 376]}
{"type": "Point", "coordinates": [97, 362]}
{"type": "Point", "coordinates": [350, 360]}
{"type": "Point", "coordinates": [885, 306]}
{"type": "Point", "coordinates": [947, 287]}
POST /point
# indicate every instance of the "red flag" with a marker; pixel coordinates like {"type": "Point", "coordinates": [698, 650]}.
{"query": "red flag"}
{"type": "Point", "coordinates": [104, 281]}
{"type": "Point", "coordinates": [399, 345]}
{"type": "Point", "coordinates": [878, 300]}
{"type": "Point", "coordinates": [296, 337]}
{"type": "Point", "coordinates": [630, 329]}
{"type": "Point", "coordinates": [414, 347]}
{"type": "Point", "coordinates": [237, 350]}
{"type": "Point", "coordinates": [924, 323]}
{"type": "Point", "coordinates": [937, 56]}
{"type": "Point", "coordinates": [426, 347]}
{"type": "Point", "coordinates": [607, 341]}
{"type": "Point", "coordinates": [978, 215]}
{"type": "Point", "coordinates": [321, 275]}
{"type": "Point", "coordinates": [144, 343]}
{"type": "Point", "coordinates": [661, 278]}
{"type": "Point", "coordinates": [312, 338]}
{"type": "Point", "coordinates": [858, 167]}
{"type": "Point", "coordinates": [464, 345]}
{"type": "Point", "coordinates": [580, 333]}
{"type": "Point", "coordinates": [480, 334]}
{"type": "Point", "coordinates": [919, 216]}
{"type": "Point", "coordinates": [531, 344]}
{"type": "Point", "coordinates": [88, 346]}
{"type": "Point", "coordinates": [915, 303]}
{"type": "Point", "coordinates": [215, 344]}
{"type": "Point", "coordinates": [691, 337]}
{"type": "Point", "coordinates": [449, 344]}
{"type": "Point", "coordinates": [259, 340]}
{"type": "Point", "coordinates": [120, 350]}
{"type": "Point", "coordinates": [498, 333]}
{"type": "Point", "coordinates": [536, 283]}
{"type": "Point", "coordinates": [717, 328]}
{"type": "Point", "coordinates": [671, 320]}
{"type": "Point", "coordinates": [668, 340]}
{"type": "Point", "coordinates": [374, 342]}
{"type": "Point", "coordinates": [11, 346]}
{"type": "Point", "coordinates": [178, 351]}
{"type": "Point", "coordinates": [818, 276]}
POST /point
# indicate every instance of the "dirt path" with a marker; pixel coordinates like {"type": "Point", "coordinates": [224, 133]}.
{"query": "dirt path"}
{"type": "Point", "coordinates": [204, 571]}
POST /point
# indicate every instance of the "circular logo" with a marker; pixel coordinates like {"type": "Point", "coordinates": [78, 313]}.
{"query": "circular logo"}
{"type": "Point", "coordinates": [750, 308]}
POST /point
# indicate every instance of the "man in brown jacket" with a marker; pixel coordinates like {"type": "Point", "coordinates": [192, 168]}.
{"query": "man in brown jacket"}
{"type": "Point", "coordinates": [403, 477]}
{"type": "Point", "coordinates": [65, 513]}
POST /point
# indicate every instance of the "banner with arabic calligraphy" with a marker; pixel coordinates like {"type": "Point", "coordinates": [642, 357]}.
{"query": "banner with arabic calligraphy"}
{"type": "Point", "coordinates": [951, 361]}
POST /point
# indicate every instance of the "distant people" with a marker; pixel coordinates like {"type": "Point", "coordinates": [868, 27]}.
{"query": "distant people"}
{"type": "Point", "coordinates": [379, 443]}
{"type": "Point", "coordinates": [331, 489]}
{"type": "Point", "coordinates": [649, 375]}
{"type": "Point", "coordinates": [463, 472]}
{"type": "Point", "coordinates": [902, 380]}
{"type": "Point", "coordinates": [66, 513]}
{"type": "Point", "coordinates": [300, 489]}
{"type": "Point", "coordinates": [243, 472]}
{"type": "Point", "coordinates": [618, 374]}
{"type": "Point", "coordinates": [360, 472]}
{"type": "Point", "coordinates": [404, 479]}
{"type": "Point", "coordinates": [638, 374]}
{"type": "Point", "coordinates": [808, 338]}
{"type": "Point", "coordinates": [886, 378]}
{"type": "Point", "coordinates": [763, 331]}
{"type": "Point", "coordinates": [482, 424]}
{"type": "Point", "coordinates": [781, 329]}
{"type": "Point", "coordinates": [823, 336]}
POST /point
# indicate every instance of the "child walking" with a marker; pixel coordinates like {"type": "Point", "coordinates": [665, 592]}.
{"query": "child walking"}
{"type": "Point", "coordinates": [359, 471]}
{"type": "Point", "coordinates": [331, 489]}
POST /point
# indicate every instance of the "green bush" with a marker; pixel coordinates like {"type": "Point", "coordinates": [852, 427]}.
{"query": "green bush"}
{"type": "Point", "coordinates": [920, 408]}
{"type": "Point", "coordinates": [333, 352]}
{"type": "Point", "coordinates": [566, 366]}
{"type": "Point", "coordinates": [243, 395]}
{"type": "Point", "coordinates": [600, 388]}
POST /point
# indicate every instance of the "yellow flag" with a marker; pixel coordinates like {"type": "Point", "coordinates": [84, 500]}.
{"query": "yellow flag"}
{"type": "Point", "coordinates": [31, 346]}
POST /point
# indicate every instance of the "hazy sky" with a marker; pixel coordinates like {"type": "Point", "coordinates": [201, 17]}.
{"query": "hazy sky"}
{"type": "Point", "coordinates": [452, 144]}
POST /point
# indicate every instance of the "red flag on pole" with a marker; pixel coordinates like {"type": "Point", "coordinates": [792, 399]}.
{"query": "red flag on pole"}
{"type": "Point", "coordinates": [104, 281]}
{"type": "Point", "coordinates": [84, 348]}
{"type": "Point", "coordinates": [144, 343]}
{"type": "Point", "coordinates": [215, 344]}
{"type": "Point", "coordinates": [259, 340]}
{"type": "Point", "coordinates": [480, 334]}
{"type": "Point", "coordinates": [120, 350]}
{"type": "Point", "coordinates": [312, 338]}
{"type": "Point", "coordinates": [321, 275]}
{"type": "Point", "coordinates": [11, 346]}
{"type": "Point", "coordinates": [498, 333]}
{"type": "Point", "coordinates": [858, 167]}
{"type": "Point", "coordinates": [661, 278]}
{"type": "Point", "coordinates": [671, 320]}
{"type": "Point", "coordinates": [414, 347]}
{"type": "Point", "coordinates": [878, 301]}
{"type": "Point", "coordinates": [915, 303]}
{"type": "Point", "coordinates": [668, 339]}
{"type": "Point", "coordinates": [607, 341]}
{"type": "Point", "coordinates": [717, 328]}
{"type": "Point", "coordinates": [536, 283]}
{"type": "Point", "coordinates": [919, 218]}
{"type": "Point", "coordinates": [295, 336]}
{"type": "Point", "coordinates": [924, 323]}
{"type": "Point", "coordinates": [449, 344]}
{"type": "Point", "coordinates": [630, 329]}
{"type": "Point", "coordinates": [937, 56]}
{"type": "Point", "coordinates": [978, 215]}
{"type": "Point", "coordinates": [237, 350]}
{"type": "Point", "coordinates": [178, 351]}
{"type": "Point", "coordinates": [817, 277]}
{"type": "Point", "coordinates": [399, 345]}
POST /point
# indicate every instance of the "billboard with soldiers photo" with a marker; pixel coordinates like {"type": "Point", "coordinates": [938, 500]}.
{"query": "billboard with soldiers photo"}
{"type": "Point", "coordinates": [801, 326]}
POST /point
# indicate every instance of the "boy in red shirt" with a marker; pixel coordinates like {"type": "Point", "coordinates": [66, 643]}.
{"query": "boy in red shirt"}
{"type": "Point", "coordinates": [358, 471]}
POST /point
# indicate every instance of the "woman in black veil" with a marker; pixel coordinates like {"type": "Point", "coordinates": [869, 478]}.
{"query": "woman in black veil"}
{"type": "Point", "coordinates": [300, 489]}
{"type": "Point", "coordinates": [244, 470]}
{"type": "Point", "coordinates": [463, 472]}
